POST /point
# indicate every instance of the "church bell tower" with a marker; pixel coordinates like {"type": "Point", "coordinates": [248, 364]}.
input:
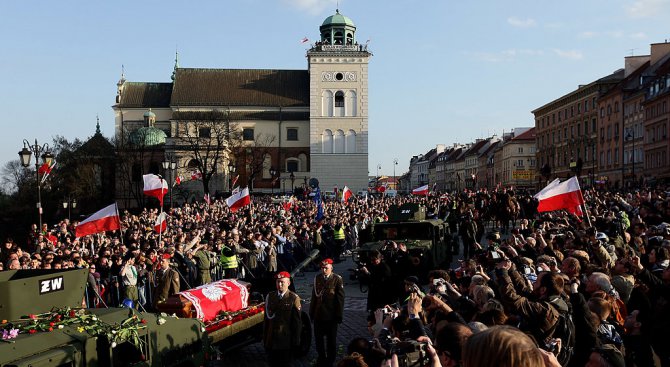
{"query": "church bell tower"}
{"type": "Point", "coordinates": [338, 83]}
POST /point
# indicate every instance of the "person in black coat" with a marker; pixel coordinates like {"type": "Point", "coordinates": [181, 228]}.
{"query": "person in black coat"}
{"type": "Point", "coordinates": [378, 275]}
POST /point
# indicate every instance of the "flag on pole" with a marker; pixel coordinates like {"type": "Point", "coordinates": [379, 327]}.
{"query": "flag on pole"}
{"type": "Point", "coordinates": [304, 40]}
{"type": "Point", "coordinates": [105, 219]}
{"type": "Point", "coordinates": [238, 200]}
{"type": "Point", "coordinates": [46, 169]}
{"type": "Point", "coordinates": [423, 190]}
{"type": "Point", "coordinates": [232, 184]}
{"type": "Point", "coordinates": [161, 223]}
{"type": "Point", "coordinates": [155, 186]}
{"type": "Point", "coordinates": [208, 199]}
{"type": "Point", "coordinates": [346, 194]}
{"type": "Point", "coordinates": [196, 175]}
{"type": "Point", "coordinates": [564, 195]}
{"type": "Point", "coordinates": [381, 188]}
{"type": "Point", "coordinates": [177, 181]}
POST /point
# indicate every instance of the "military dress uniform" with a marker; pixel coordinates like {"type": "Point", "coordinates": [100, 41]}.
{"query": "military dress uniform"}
{"type": "Point", "coordinates": [168, 284]}
{"type": "Point", "coordinates": [325, 309]}
{"type": "Point", "coordinates": [202, 261]}
{"type": "Point", "coordinates": [282, 326]}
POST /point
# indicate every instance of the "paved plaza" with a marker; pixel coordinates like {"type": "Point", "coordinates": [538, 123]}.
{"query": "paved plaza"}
{"type": "Point", "coordinates": [354, 324]}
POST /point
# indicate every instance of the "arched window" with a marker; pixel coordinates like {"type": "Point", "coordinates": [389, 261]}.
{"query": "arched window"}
{"type": "Point", "coordinates": [327, 103]}
{"type": "Point", "coordinates": [339, 104]}
{"type": "Point", "coordinates": [338, 142]}
{"type": "Point", "coordinates": [350, 39]}
{"type": "Point", "coordinates": [351, 103]}
{"type": "Point", "coordinates": [327, 141]}
{"type": "Point", "coordinates": [293, 165]}
{"type": "Point", "coordinates": [339, 38]}
{"type": "Point", "coordinates": [351, 142]}
{"type": "Point", "coordinates": [267, 164]}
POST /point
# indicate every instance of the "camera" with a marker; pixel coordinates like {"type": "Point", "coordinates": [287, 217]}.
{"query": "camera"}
{"type": "Point", "coordinates": [410, 353]}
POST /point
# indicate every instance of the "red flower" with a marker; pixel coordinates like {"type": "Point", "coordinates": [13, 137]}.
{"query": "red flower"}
{"type": "Point", "coordinates": [72, 313]}
{"type": "Point", "coordinates": [32, 316]}
{"type": "Point", "coordinates": [57, 318]}
{"type": "Point", "coordinates": [52, 324]}
{"type": "Point", "coordinates": [51, 329]}
{"type": "Point", "coordinates": [143, 357]}
{"type": "Point", "coordinates": [143, 321]}
{"type": "Point", "coordinates": [32, 331]}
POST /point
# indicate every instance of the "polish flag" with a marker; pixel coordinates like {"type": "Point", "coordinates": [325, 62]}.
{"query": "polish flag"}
{"type": "Point", "coordinates": [208, 199]}
{"type": "Point", "coordinates": [423, 190]}
{"type": "Point", "coordinates": [346, 194]}
{"type": "Point", "coordinates": [155, 186]}
{"type": "Point", "coordinates": [161, 223]}
{"type": "Point", "coordinates": [381, 188]}
{"type": "Point", "coordinates": [232, 184]}
{"type": "Point", "coordinates": [238, 199]}
{"type": "Point", "coordinates": [304, 40]}
{"type": "Point", "coordinates": [177, 181]}
{"type": "Point", "coordinates": [564, 195]}
{"type": "Point", "coordinates": [106, 219]}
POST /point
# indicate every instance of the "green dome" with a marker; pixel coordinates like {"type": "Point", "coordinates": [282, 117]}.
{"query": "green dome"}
{"type": "Point", "coordinates": [149, 114]}
{"type": "Point", "coordinates": [338, 19]}
{"type": "Point", "coordinates": [148, 136]}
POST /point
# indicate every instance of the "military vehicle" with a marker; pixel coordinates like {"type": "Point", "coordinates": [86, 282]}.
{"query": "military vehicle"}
{"type": "Point", "coordinates": [45, 305]}
{"type": "Point", "coordinates": [407, 224]}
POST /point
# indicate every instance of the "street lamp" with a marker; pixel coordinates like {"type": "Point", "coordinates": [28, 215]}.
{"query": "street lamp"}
{"type": "Point", "coordinates": [292, 177]}
{"type": "Point", "coordinates": [379, 166]}
{"type": "Point", "coordinates": [231, 170]}
{"type": "Point", "coordinates": [170, 166]}
{"type": "Point", "coordinates": [273, 172]}
{"type": "Point", "coordinates": [69, 204]}
{"type": "Point", "coordinates": [395, 182]}
{"type": "Point", "coordinates": [39, 151]}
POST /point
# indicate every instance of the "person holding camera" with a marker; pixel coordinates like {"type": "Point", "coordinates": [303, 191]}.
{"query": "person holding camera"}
{"type": "Point", "coordinates": [326, 309]}
{"type": "Point", "coordinates": [377, 276]}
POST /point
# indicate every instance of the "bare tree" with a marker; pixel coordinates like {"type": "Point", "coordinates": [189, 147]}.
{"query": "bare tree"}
{"type": "Point", "coordinates": [14, 176]}
{"type": "Point", "coordinates": [134, 159]}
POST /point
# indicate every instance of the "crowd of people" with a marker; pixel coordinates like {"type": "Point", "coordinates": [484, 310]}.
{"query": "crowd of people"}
{"type": "Point", "coordinates": [525, 288]}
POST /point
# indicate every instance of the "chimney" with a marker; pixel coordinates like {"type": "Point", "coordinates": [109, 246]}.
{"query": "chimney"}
{"type": "Point", "coordinates": [632, 63]}
{"type": "Point", "coordinates": [658, 50]}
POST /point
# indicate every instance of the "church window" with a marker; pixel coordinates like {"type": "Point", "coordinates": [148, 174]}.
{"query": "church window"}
{"type": "Point", "coordinates": [339, 99]}
{"type": "Point", "coordinates": [247, 134]}
{"type": "Point", "coordinates": [292, 134]}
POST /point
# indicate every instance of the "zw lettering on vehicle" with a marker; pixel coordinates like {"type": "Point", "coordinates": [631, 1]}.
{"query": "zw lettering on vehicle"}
{"type": "Point", "coordinates": [405, 211]}
{"type": "Point", "coordinates": [51, 285]}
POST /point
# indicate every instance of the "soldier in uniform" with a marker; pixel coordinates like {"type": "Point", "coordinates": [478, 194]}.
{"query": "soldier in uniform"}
{"type": "Point", "coordinates": [325, 310]}
{"type": "Point", "coordinates": [201, 257]}
{"type": "Point", "coordinates": [282, 326]}
{"type": "Point", "coordinates": [168, 281]}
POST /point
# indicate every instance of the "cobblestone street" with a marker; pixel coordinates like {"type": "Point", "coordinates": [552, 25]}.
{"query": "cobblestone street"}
{"type": "Point", "coordinates": [354, 324]}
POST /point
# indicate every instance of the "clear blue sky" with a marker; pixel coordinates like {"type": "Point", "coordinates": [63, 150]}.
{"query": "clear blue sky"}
{"type": "Point", "coordinates": [442, 71]}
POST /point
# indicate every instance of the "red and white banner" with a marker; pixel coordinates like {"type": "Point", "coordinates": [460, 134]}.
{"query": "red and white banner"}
{"type": "Point", "coordinates": [223, 295]}
{"type": "Point", "coordinates": [238, 199]}
{"type": "Point", "coordinates": [106, 219]}
{"type": "Point", "coordinates": [155, 186]}
{"type": "Point", "coordinates": [346, 194]}
{"type": "Point", "coordinates": [208, 199]}
{"type": "Point", "coordinates": [46, 169]}
{"type": "Point", "coordinates": [161, 223]}
{"type": "Point", "coordinates": [564, 195]}
{"type": "Point", "coordinates": [423, 190]}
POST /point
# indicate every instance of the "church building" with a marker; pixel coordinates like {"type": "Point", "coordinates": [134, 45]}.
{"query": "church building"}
{"type": "Point", "coordinates": [269, 129]}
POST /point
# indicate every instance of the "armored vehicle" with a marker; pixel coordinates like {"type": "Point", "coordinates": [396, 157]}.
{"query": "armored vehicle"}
{"type": "Point", "coordinates": [44, 307]}
{"type": "Point", "coordinates": [407, 224]}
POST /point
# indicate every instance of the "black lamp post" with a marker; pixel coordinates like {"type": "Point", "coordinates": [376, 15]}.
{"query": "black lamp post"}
{"type": "Point", "coordinates": [39, 151]}
{"type": "Point", "coordinates": [273, 173]}
{"type": "Point", "coordinates": [170, 166]}
{"type": "Point", "coordinates": [292, 177]}
{"type": "Point", "coordinates": [69, 204]}
{"type": "Point", "coordinates": [231, 170]}
{"type": "Point", "coordinates": [395, 182]}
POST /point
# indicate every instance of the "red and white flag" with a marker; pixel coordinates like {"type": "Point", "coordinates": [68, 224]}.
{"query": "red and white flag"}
{"type": "Point", "coordinates": [105, 219]}
{"type": "Point", "coordinates": [161, 223]}
{"type": "Point", "coordinates": [381, 188]}
{"type": "Point", "coordinates": [423, 190]}
{"type": "Point", "coordinates": [346, 194]}
{"type": "Point", "coordinates": [304, 40]}
{"type": "Point", "coordinates": [564, 195]}
{"type": "Point", "coordinates": [196, 175]}
{"type": "Point", "coordinates": [155, 186]}
{"type": "Point", "coordinates": [232, 184]}
{"type": "Point", "coordinates": [238, 199]}
{"type": "Point", "coordinates": [46, 169]}
{"type": "Point", "coordinates": [208, 199]}
{"type": "Point", "coordinates": [178, 180]}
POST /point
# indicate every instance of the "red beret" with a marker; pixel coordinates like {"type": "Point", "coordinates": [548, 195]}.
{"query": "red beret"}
{"type": "Point", "coordinates": [283, 274]}
{"type": "Point", "coordinates": [326, 262]}
{"type": "Point", "coordinates": [166, 256]}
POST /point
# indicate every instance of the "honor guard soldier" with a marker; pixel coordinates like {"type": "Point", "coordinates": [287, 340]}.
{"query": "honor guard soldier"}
{"type": "Point", "coordinates": [325, 310]}
{"type": "Point", "coordinates": [167, 281]}
{"type": "Point", "coordinates": [283, 325]}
